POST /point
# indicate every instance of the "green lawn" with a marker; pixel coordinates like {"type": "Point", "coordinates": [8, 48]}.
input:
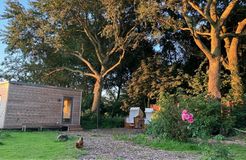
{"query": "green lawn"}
{"type": "Point", "coordinates": [238, 152]}
{"type": "Point", "coordinates": [43, 145]}
{"type": "Point", "coordinates": [164, 144]}
{"type": "Point", "coordinates": [36, 145]}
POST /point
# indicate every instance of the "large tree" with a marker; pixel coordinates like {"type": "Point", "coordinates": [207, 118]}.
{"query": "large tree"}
{"type": "Point", "coordinates": [232, 32]}
{"type": "Point", "coordinates": [206, 22]}
{"type": "Point", "coordinates": [96, 32]}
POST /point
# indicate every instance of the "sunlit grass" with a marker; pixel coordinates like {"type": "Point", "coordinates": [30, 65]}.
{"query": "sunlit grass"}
{"type": "Point", "coordinates": [164, 144]}
{"type": "Point", "coordinates": [238, 151]}
{"type": "Point", "coordinates": [36, 145]}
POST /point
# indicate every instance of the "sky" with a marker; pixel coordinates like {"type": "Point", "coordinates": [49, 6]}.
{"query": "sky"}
{"type": "Point", "coordinates": [3, 23]}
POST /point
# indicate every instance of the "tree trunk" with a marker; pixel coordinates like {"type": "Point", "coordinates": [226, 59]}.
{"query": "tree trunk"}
{"type": "Point", "coordinates": [97, 94]}
{"type": "Point", "coordinates": [119, 89]}
{"type": "Point", "coordinates": [214, 78]}
{"type": "Point", "coordinates": [236, 81]}
{"type": "Point", "coordinates": [214, 65]}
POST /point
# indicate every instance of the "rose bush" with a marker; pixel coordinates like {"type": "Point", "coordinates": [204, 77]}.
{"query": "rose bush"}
{"type": "Point", "coordinates": [182, 117]}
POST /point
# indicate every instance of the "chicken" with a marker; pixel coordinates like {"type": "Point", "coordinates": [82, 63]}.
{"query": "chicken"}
{"type": "Point", "coordinates": [80, 143]}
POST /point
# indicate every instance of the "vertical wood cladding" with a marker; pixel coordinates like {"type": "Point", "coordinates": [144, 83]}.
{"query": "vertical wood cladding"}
{"type": "Point", "coordinates": [30, 104]}
{"type": "Point", "coordinates": [3, 101]}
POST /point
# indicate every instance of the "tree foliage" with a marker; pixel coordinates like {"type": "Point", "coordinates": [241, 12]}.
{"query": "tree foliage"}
{"type": "Point", "coordinates": [207, 23]}
{"type": "Point", "coordinates": [152, 77]}
{"type": "Point", "coordinates": [143, 47]}
{"type": "Point", "coordinates": [96, 33]}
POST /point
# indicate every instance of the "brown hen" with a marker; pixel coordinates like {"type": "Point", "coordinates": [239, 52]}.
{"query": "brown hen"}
{"type": "Point", "coordinates": [80, 143]}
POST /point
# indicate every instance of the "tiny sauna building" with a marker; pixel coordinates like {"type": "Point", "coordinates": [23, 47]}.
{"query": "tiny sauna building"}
{"type": "Point", "coordinates": [38, 106]}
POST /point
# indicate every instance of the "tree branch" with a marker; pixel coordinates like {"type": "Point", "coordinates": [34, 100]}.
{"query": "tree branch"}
{"type": "Point", "coordinates": [71, 70]}
{"type": "Point", "coordinates": [225, 64]}
{"type": "Point", "coordinates": [235, 40]}
{"type": "Point", "coordinates": [122, 42]}
{"type": "Point", "coordinates": [93, 39]}
{"type": "Point", "coordinates": [115, 65]}
{"type": "Point", "coordinates": [197, 32]}
{"type": "Point", "coordinates": [224, 35]}
{"type": "Point", "coordinates": [207, 7]}
{"type": "Point", "coordinates": [95, 43]}
{"type": "Point", "coordinates": [203, 14]}
{"type": "Point", "coordinates": [88, 64]}
{"type": "Point", "coordinates": [241, 26]}
{"type": "Point", "coordinates": [226, 40]}
{"type": "Point", "coordinates": [238, 32]}
{"type": "Point", "coordinates": [196, 38]}
{"type": "Point", "coordinates": [227, 12]}
{"type": "Point", "coordinates": [239, 130]}
{"type": "Point", "coordinates": [202, 47]}
{"type": "Point", "coordinates": [213, 13]}
{"type": "Point", "coordinates": [128, 34]}
{"type": "Point", "coordinates": [197, 8]}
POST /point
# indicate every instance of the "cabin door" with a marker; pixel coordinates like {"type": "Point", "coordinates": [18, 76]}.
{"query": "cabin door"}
{"type": "Point", "coordinates": [67, 109]}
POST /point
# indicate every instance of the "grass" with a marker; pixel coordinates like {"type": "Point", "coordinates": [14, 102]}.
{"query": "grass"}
{"type": "Point", "coordinates": [158, 143]}
{"type": "Point", "coordinates": [43, 145]}
{"type": "Point", "coordinates": [238, 152]}
{"type": "Point", "coordinates": [36, 145]}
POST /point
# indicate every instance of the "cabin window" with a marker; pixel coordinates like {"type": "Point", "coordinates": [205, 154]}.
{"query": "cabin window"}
{"type": "Point", "coordinates": [67, 109]}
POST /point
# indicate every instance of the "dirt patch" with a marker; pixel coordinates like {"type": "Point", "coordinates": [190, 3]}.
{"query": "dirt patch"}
{"type": "Point", "coordinates": [100, 145]}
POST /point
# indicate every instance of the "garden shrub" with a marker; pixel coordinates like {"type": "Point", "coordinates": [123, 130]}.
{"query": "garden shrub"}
{"type": "Point", "coordinates": [112, 109]}
{"type": "Point", "coordinates": [110, 114]}
{"type": "Point", "coordinates": [208, 119]}
{"type": "Point", "coordinates": [216, 152]}
{"type": "Point", "coordinates": [89, 121]}
{"type": "Point", "coordinates": [167, 122]}
{"type": "Point", "coordinates": [239, 112]}
{"type": "Point", "coordinates": [112, 122]}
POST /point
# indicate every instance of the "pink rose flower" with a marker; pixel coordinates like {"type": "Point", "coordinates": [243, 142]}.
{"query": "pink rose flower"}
{"type": "Point", "coordinates": [183, 117]}
{"type": "Point", "coordinates": [190, 121]}
{"type": "Point", "coordinates": [184, 111]}
{"type": "Point", "coordinates": [186, 116]}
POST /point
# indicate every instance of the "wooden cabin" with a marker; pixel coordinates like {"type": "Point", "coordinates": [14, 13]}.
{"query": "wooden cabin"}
{"type": "Point", "coordinates": [25, 105]}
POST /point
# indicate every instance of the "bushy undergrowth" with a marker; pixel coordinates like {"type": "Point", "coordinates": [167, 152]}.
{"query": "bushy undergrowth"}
{"type": "Point", "coordinates": [89, 121]}
{"type": "Point", "coordinates": [167, 122]}
{"type": "Point", "coordinates": [239, 112]}
{"type": "Point", "coordinates": [208, 119]}
{"type": "Point", "coordinates": [217, 152]}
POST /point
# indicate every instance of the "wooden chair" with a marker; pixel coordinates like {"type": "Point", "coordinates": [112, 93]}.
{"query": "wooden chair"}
{"type": "Point", "coordinates": [148, 113]}
{"type": "Point", "coordinates": [135, 112]}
